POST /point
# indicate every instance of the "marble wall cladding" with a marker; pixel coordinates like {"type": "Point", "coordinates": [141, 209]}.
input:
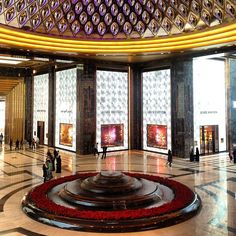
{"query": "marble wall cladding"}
{"type": "Point", "coordinates": [157, 105]}
{"type": "Point", "coordinates": [40, 112]}
{"type": "Point", "coordinates": [135, 108]}
{"type": "Point", "coordinates": [209, 95]}
{"type": "Point", "coordinates": [112, 103]}
{"type": "Point", "coordinates": [181, 107]}
{"type": "Point", "coordinates": [86, 107]}
{"type": "Point", "coordinates": [232, 102]}
{"type": "Point", "coordinates": [29, 107]}
{"type": "Point", "coordinates": [66, 82]}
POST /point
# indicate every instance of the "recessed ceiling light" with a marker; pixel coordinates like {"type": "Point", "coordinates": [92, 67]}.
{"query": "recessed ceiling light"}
{"type": "Point", "coordinates": [11, 62]}
{"type": "Point", "coordinates": [14, 58]}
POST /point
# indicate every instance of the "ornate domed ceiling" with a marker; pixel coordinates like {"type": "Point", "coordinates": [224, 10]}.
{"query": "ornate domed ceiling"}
{"type": "Point", "coordinates": [115, 19]}
{"type": "Point", "coordinates": [116, 26]}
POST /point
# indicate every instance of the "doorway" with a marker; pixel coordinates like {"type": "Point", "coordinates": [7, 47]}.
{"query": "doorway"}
{"type": "Point", "coordinates": [209, 139]}
{"type": "Point", "coordinates": [40, 132]}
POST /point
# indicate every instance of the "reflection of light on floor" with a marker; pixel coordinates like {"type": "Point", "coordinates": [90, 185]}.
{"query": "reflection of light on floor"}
{"type": "Point", "coordinates": [158, 165]}
{"type": "Point", "coordinates": [111, 163]}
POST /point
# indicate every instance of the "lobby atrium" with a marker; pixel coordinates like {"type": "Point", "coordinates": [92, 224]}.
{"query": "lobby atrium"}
{"type": "Point", "coordinates": [149, 85]}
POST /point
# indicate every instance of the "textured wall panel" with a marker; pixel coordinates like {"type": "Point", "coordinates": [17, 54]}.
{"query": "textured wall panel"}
{"type": "Point", "coordinates": [157, 104]}
{"type": "Point", "coordinates": [41, 104]}
{"type": "Point", "coordinates": [112, 103]}
{"type": "Point", "coordinates": [66, 104]}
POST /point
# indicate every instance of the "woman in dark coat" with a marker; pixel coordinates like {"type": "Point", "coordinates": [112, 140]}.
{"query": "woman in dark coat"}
{"type": "Point", "coordinates": [58, 164]}
{"type": "Point", "coordinates": [45, 172]}
{"type": "Point", "coordinates": [197, 155]}
{"type": "Point", "coordinates": [191, 154]}
{"type": "Point", "coordinates": [169, 159]}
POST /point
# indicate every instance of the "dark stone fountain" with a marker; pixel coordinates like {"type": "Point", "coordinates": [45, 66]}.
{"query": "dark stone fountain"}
{"type": "Point", "coordinates": [111, 191]}
{"type": "Point", "coordinates": [111, 202]}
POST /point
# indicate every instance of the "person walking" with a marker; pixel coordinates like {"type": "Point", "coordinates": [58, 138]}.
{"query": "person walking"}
{"type": "Point", "coordinates": [104, 152]}
{"type": "Point", "coordinates": [169, 158]}
{"type": "Point", "coordinates": [17, 144]}
{"type": "Point", "coordinates": [45, 172]}
{"type": "Point", "coordinates": [58, 164]}
{"type": "Point", "coordinates": [191, 155]}
{"type": "Point", "coordinates": [49, 169]}
{"type": "Point", "coordinates": [234, 155]}
{"type": "Point", "coordinates": [95, 150]}
{"type": "Point", "coordinates": [11, 144]}
{"type": "Point", "coordinates": [197, 155]}
{"type": "Point", "coordinates": [1, 139]}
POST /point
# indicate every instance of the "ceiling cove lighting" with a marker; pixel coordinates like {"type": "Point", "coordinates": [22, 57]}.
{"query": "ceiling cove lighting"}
{"type": "Point", "coordinates": [14, 58]}
{"type": "Point", "coordinates": [215, 36]}
{"type": "Point", "coordinates": [10, 62]}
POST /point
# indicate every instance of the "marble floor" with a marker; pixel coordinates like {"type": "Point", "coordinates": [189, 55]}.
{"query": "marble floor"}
{"type": "Point", "coordinates": [214, 179]}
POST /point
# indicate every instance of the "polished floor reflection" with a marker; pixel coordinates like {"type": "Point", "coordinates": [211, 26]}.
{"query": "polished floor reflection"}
{"type": "Point", "coordinates": [214, 179]}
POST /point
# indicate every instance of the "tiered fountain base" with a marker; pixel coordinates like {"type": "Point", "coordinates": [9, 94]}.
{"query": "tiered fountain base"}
{"type": "Point", "coordinates": [111, 202]}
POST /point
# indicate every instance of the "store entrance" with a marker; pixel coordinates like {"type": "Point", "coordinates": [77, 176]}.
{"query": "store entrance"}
{"type": "Point", "coordinates": [209, 141]}
{"type": "Point", "coordinates": [40, 132]}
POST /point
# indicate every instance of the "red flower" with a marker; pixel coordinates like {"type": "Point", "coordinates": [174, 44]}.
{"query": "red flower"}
{"type": "Point", "coordinates": [183, 197]}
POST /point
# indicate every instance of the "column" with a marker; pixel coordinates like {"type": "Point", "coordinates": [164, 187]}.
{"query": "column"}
{"type": "Point", "coordinates": [182, 107]}
{"type": "Point", "coordinates": [51, 107]}
{"type": "Point", "coordinates": [29, 98]}
{"type": "Point", "coordinates": [135, 108]}
{"type": "Point", "coordinates": [232, 104]}
{"type": "Point", "coordinates": [86, 108]}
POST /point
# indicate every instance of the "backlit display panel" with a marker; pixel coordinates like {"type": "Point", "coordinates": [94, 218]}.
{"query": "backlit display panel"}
{"type": "Point", "coordinates": [66, 109]}
{"type": "Point", "coordinates": [156, 110]}
{"type": "Point", "coordinates": [112, 109]}
{"type": "Point", "coordinates": [157, 136]}
{"type": "Point", "coordinates": [112, 135]}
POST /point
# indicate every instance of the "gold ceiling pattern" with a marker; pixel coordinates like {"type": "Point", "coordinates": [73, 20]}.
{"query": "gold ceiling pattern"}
{"type": "Point", "coordinates": [115, 19]}
{"type": "Point", "coordinates": [7, 84]}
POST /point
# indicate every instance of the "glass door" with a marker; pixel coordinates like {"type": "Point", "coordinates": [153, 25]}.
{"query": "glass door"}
{"type": "Point", "coordinates": [209, 141]}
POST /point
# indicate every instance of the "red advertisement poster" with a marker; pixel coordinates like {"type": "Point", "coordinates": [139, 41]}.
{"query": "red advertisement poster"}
{"type": "Point", "coordinates": [112, 135]}
{"type": "Point", "coordinates": [157, 136]}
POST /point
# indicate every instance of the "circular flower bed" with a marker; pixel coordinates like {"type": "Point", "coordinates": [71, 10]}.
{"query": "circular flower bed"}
{"type": "Point", "coordinates": [184, 205]}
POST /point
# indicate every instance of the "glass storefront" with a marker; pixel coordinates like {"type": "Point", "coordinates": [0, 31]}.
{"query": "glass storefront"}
{"type": "Point", "coordinates": [157, 111]}
{"type": "Point", "coordinates": [209, 95]}
{"type": "Point", "coordinates": [40, 116]}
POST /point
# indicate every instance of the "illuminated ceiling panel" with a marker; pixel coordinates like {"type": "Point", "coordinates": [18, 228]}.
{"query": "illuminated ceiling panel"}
{"type": "Point", "coordinates": [115, 19]}
{"type": "Point", "coordinates": [116, 27]}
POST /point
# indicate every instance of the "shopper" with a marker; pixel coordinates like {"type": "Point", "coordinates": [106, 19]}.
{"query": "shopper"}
{"type": "Point", "coordinates": [95, 150]}
{"type": "Point", "coordinates": [169, 158]}
{"type": "Point", "coordinates": [191, 154]}
{"type": "Point", "coordinates": [104, 152]}
{"type": "Point", "coordinates": [197, 155]}
{"type": "Point", "coordinates": [58, 164]}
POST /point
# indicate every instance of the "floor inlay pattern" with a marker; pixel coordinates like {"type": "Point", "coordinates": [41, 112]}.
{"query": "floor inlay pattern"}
{"type": "Point", "coordinates": [213, 178]}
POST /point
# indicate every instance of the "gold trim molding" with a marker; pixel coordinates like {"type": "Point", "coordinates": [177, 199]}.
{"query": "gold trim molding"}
{"type": "Point", "coordinates": [221, 35]}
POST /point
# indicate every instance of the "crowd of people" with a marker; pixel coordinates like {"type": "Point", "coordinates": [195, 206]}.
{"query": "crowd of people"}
{"type": "Point", "coordinates": [52, 163]}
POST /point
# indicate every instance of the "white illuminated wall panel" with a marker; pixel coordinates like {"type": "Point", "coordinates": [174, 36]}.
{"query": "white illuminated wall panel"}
{"type": "Point", "coordinates": [65, 129]}
{"type": "Point", "coordinates": [112, 110]}
{"type": "Point", "coordinates": [157, 111]}
{"type": "Point", "coordinates": [41, 104]}
{"type": "Point", "coordinates": [209, 97]}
